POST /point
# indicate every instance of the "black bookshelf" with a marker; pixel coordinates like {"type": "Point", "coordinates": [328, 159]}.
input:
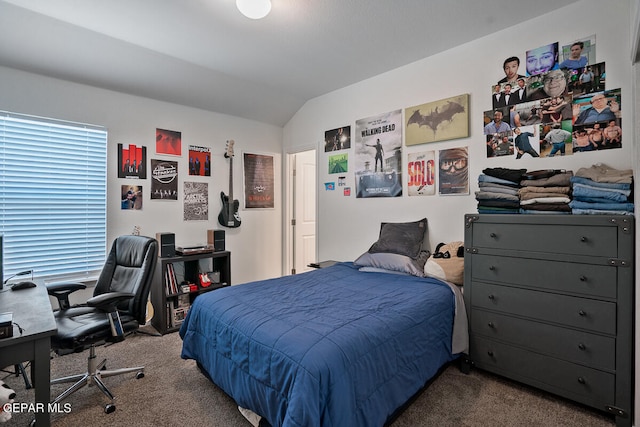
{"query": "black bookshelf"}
{"type": "Point", "coordinates": [177, 283]}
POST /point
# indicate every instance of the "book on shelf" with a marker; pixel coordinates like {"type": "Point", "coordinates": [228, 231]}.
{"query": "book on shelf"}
{"type": "Point", "coordinates": [171, 281]}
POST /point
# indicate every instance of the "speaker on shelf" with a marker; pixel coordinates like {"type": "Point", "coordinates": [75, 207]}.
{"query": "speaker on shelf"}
{"type": "Point", "coordinates": [216, 238]}
{"type": "Point", "coordinates": [167, 243]}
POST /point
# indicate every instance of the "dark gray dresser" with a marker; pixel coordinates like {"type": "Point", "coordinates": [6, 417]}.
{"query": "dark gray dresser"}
{"type": "Point", "coordinates": [550, 301]}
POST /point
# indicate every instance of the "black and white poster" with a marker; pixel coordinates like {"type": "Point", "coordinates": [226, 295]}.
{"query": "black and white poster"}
{"type": "Point", "coordinates": [196, 201]}
{"type": "Point", "coordinates": [164, 180]}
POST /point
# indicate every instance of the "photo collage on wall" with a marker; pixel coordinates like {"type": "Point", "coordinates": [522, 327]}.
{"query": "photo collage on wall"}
{"type": "Point", "coordinates": [553, 101]}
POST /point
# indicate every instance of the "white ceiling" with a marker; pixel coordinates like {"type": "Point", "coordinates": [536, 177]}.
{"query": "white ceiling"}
{"type": "Point", "coordinates": [205, 54]}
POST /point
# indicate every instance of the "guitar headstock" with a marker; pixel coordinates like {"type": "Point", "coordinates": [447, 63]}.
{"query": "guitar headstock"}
{"type": "Point", "coordinates": [229, 149]}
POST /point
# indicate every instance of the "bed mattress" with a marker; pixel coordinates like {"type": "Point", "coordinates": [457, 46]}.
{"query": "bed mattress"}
{"type": "Point", "coordinates": [330, 347]}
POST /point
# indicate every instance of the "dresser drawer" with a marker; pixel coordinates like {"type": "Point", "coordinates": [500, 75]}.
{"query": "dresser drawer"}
{"type": "Point", "coordinates": [596, 351]}
{"type": "Point", "coordinates": [585, 385]}
{"type": "Point", "coordinates": [583, 313]}
{"type": "Point", "coordinates": [587, 279]}
{"type": "Point", "coordinates": [560, 239]}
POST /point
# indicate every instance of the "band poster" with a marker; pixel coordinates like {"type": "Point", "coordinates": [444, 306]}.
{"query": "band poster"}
{"type": "Point", "coordinates": [378, 155]}
{"type": "Point", "coordinates": [196, 201]}
{"type": "Point", "coordinates": [259, 183]}
{"type": "Point", "coordinates": [421, 168]}
{"type": "Point", "coordinates": [132, 161]}
{"type": "Point", "coordinates": [199, 161]}
{"type": "Point", "coordinates": [164, 180]}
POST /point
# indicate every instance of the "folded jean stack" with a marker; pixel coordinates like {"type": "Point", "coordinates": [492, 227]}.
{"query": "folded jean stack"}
{"type": "Point", "coordinates": [602, 190]}
{"type": "Point", "coordinates": [546, 193]}
{"type": "Point", "coordinates": [498, 192]}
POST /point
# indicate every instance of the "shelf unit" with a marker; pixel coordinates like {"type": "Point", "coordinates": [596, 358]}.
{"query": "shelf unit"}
{"type": "Point", "coordinates": [185, 270]}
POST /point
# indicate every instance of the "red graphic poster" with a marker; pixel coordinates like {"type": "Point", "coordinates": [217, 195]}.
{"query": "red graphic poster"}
{"type": "Point", "coordinates": [132, 161]}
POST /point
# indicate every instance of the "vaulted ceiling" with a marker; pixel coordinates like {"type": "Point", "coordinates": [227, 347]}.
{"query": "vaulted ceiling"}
{"type": "Point", "coordinates": [205, 54]}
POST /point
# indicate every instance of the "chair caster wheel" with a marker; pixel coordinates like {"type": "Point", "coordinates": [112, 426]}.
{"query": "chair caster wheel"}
{"type": "Point", "coordinates": [139, 375]}
{"type": "Point", "coordinates": [109, 408]}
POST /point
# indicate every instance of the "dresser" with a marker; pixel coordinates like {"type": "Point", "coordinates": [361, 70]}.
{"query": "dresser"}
{"type": "Point", "coordinates": [550, 302]}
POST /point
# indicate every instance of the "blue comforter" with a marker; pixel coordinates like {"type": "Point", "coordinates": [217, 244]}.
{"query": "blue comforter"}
{"type": "Point", "coordinates": [330, 347]}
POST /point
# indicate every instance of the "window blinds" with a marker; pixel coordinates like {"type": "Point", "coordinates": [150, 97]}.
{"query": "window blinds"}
{"type": "Point", "coordinates": [52, 196]}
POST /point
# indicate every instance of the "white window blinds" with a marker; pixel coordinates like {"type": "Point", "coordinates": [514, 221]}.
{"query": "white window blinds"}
{"type": "Point", "coordinates": [52, 196]}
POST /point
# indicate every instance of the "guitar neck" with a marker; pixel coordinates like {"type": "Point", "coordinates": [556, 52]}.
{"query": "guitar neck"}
{"type": "Point", "coordinates": [231, 179]}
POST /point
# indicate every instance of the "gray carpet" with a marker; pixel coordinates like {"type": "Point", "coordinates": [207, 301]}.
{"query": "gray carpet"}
{"type": "Point", "coordinates": [174, 393]}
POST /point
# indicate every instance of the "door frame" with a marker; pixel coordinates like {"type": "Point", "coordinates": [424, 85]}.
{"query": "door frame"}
{"type": "Point", "coordinates": [289, 201]}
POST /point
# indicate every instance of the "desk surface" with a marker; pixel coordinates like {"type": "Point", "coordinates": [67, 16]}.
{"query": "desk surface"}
{"type": "Point", "coordinates": [31, 310]}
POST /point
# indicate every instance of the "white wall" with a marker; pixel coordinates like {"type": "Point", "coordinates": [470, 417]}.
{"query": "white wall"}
{"type": "Point", "coordinates": [348, 226]}
{"type": "Point", "coordinates": [255, 246]}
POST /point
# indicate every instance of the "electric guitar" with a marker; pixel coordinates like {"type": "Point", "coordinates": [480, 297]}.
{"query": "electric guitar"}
{"type": "Point", "coordinates": [228, 216]}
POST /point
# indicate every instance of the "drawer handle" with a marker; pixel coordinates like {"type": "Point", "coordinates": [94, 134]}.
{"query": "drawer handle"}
{"type": "Point", "coordinates": [491, 325]}
{"type": "Point", "coordinates": [491, 297]}
{"type": "Point", "coordinates": [490, 353]}
{"type": "Point", "coordinates": [582, 380]}
{"type": "Point", "coordinates": [581, 346]}
{"type": "Point", "coordinates": [583, 278]}
{"type": "Point", "coordinates": [582, 313]}
{"type": "Point", "coordinates": [583, 239]}
{"type": "Point", "coordinates": [492, 268]}
{"type": "Point", "coordinates": [493, 235]}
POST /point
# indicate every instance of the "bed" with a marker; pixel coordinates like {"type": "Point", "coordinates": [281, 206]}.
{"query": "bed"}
{"type": "Point", "coordinates": [337, 346]}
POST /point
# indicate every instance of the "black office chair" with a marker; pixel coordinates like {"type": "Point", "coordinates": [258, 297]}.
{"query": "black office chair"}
{"type": "Point", "coordinates": [118, 307]}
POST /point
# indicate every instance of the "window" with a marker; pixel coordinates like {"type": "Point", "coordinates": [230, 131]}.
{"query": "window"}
{"type": "Point", "coordinates": [52, 196]}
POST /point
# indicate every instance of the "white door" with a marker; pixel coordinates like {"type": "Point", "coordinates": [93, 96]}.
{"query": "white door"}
{"type": "Point", "coordinates": [303, 222]}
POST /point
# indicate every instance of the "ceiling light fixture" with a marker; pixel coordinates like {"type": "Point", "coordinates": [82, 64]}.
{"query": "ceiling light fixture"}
{"type": "Point", "coordinates": [254, 9]}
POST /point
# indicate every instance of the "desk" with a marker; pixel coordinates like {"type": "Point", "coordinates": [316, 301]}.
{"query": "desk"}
{"type": "Point", "coordinates": [31, 310]}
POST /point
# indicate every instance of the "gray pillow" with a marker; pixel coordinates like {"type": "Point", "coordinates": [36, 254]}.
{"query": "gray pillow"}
{"type": "Point", "coordinates": [403, 238]}
{"type": "Point", "coordinates": [394, 262]}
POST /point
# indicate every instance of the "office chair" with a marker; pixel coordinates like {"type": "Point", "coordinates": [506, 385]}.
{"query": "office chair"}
{"type": "Point", "coordinates": [118, 307]}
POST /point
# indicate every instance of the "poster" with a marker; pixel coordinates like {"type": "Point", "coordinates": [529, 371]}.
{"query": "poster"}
{"type": "Point", "coordinates": [337, 139]}
{"type": "Point", "coordinates": [421, 176]}
{"type": "Point", "coordinates": [453, 176]}
{"type": "Point", "coordinates": [131, 161]}
{"type": "Point", "coordinates": [168, 142]}
{"type": "Point", "coordinates": [199, 161]}
{"type": "Point", "coordinates": [131, 197]}
{"type": "Point", "coordinates": [164, 180]}
{"type": "Point", "coordinates": [378, 155]}
{"type": "Point", "coordinates": [258, 181]}
{"type": "Point", "coordinates": [196, 201]}
{"type": "Point", "coordinates": [438, 121]}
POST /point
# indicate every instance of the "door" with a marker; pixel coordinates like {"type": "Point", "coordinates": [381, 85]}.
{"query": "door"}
{"type": "Point", "coordinates": [303, 216]}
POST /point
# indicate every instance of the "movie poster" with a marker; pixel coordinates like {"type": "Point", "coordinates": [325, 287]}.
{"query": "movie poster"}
{"type": "Point", "coordinates": [196, 201]}
{"type": "Point", "coordinates": [437, 121]}
{"type": "Point", "coordinates": [453, 177]}
{"type": "Point", "coordinates": [199, 161]}
{"type": "Point", "coordinates": [337, 139]}
{"type": "Point", "coordinates": [421, 177]}
{"type": "Point", "coordinates": [259, 187]}
{"type": "Point", "coordinates": [164, 180]}
{"type": "Point", "coordinates": [378, 155]}
{"type": "Point", "coordinates": [132, 161]}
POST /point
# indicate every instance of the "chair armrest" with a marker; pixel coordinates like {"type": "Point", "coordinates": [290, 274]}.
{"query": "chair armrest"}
{"type": "Point", "coordinates": [62, 291]}
{"type": "Point", "coordinates": [107, 302]}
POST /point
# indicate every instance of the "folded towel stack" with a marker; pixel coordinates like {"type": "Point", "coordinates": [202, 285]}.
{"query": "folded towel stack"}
{"type": "Point", "coordinates": [547, 195]}
{"type": "Point", "coordinates": [602, 190]}
{"type": "Point", "coordinates": [498, 192]}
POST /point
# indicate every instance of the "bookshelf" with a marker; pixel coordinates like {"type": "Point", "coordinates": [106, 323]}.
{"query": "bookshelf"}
{"type": "Point", "coordinates": [178, 280]}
